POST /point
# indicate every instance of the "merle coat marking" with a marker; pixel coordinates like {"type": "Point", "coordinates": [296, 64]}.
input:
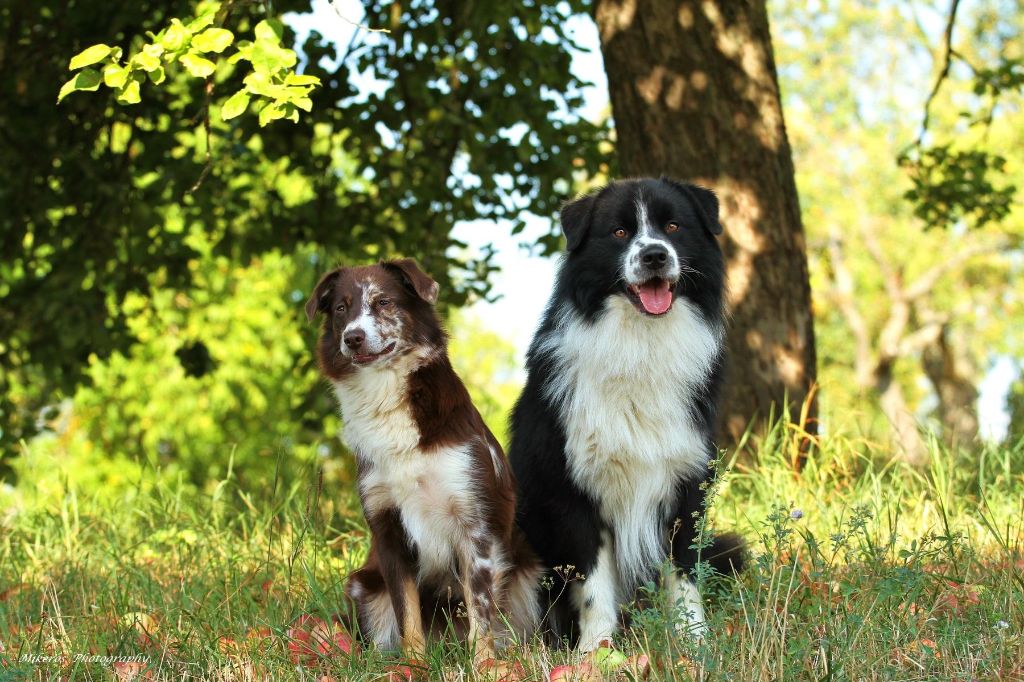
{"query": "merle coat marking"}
{"type": "Point", "coordinates": [436, 490]}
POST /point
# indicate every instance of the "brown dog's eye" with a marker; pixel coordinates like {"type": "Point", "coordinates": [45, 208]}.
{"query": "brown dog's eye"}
{"type": "Point", "coordinates": [340, 309]}
{"type": "Point", "coordinates": [383, 302]}
{"type": "Point", "coordinates": [671, 227]}
{"type": "Point", "coordinates": [620, 233]}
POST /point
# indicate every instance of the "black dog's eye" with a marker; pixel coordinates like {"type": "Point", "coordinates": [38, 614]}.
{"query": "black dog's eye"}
{"type": "Point", "coordinates": [383, 302]}
{"type": "Point", "coordinates": [671, 227]}
{"type": "Point", "coordinates": [620, 233]}
{"type": "Point", "coordinates": [340, 308]}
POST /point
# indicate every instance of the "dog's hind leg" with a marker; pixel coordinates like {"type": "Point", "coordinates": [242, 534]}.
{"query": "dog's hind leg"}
{"type": "Point", "coordinates": [374, 615]}
{"type": "Point", "coordinates": [684, 596]}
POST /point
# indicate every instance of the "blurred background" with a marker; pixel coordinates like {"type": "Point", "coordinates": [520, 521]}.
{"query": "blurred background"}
{"type": "Point", "coordinates": [155, 256]}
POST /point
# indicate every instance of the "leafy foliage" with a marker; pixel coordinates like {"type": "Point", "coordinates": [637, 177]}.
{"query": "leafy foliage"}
{"type": "Point", "coordinates": [474, 118]}
{"type": "Point", "coordinates": [281, 92]}
{"type": "Point", "coordinates": [949, 185]}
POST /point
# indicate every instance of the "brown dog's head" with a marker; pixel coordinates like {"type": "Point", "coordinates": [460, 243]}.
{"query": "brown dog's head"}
{"type": "Point", "coordinates": [375, 313]}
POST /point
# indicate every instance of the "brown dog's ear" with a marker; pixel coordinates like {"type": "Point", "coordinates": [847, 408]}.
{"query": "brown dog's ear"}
{"type": "Point", "coordinates": [417, 280]}
{"type": "Point", "coordinates": [323, 295]}
{"type": "Point", "coordinates": [576, 217]}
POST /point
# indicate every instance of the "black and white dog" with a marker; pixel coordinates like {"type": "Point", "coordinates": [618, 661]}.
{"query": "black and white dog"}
{"type": "Point", "coordinates": [612, 436]}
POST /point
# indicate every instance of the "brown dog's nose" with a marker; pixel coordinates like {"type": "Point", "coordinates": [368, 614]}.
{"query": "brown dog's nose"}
{"type": "Point", "coordinates": [354, 339]}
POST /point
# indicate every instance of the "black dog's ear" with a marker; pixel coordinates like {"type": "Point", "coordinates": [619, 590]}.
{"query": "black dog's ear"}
{"type": "Point", "coordinates": [413, 277]}
{"type": "Point", "coordinates": [576, 217]}
{"type": "Point", "coordinates": [704, 200]}
{"type": "Point", "coordinates": [323, 295]}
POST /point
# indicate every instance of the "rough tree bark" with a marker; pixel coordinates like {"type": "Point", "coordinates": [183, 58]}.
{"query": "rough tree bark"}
{"type": "Point", "coordinates": [694, 95]}
{"type": "Point", "coordinates": [953, 379]}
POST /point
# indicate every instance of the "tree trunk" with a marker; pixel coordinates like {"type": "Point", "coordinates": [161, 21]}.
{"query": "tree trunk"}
{"type": "Point", "coordinates": [958, 396]}
{"type": "Point", "coordinates": [909, 446]}
{"type": "Point", "coordinates": [695, 96]}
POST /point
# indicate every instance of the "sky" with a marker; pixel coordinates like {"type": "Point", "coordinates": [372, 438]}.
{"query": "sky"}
{"type": "Point", "coordinates": [522, 289]}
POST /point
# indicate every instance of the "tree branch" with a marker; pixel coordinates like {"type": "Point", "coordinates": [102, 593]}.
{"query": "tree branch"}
{"type": "Point", "coordinates": [947, 61]}
{"type": "Point", "coordinates": [924, 284]}
{"type": "Point", "coordinates": [844, 298]}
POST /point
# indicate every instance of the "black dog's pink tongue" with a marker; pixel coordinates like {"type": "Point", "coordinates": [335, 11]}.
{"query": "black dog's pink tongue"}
{"type": "Point", "coordinates": [655, 296]}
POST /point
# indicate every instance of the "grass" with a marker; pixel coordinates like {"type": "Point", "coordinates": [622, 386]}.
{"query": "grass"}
{"type": "Point", "coordinates": [861, 569]}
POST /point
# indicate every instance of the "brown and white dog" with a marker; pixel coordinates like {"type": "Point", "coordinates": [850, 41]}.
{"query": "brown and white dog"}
{"type": "Point", "coordinates": [437, 492]}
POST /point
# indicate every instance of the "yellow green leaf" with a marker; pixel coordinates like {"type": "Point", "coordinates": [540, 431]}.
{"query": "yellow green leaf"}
{"type": "Point", "coordinates": [235, 105]}
{"type": "Point", "coordinates": [88, 79]}
{"type": "Point", "coordinates": [213, 40]}
{"type": "Point", "coordinates": [196, 65]}
{"type": "Point", "coordinates": [175, 35]}
{"type": "Point", "coordinates": [129, 93]}
{"type": "Point", "coordinates": [114, 76]}
{"type": "Point", "coordinates": [89, 55]}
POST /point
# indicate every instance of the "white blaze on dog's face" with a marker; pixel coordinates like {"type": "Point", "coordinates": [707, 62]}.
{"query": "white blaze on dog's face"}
{"type": "Point", "coordinates": [649, 241]}
{"type": "Point", "coordinates": [374, 313]}
{"type": "Point", "coordinates": [650, 264]}
{"type": "Point", "coordinates": [375, 329]}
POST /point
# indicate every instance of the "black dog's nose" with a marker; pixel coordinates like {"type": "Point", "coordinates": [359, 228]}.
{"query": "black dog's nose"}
{"type": "Point", "coordinates": [654, 255]}
{"type": "Point", "coordinates": [354, 339]}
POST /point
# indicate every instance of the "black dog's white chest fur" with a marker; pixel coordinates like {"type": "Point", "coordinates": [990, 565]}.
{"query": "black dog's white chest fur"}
{"type": "Point", "coordinates": [621, 384]}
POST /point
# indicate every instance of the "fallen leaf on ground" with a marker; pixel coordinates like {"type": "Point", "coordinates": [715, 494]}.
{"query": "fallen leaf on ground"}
{"type": "Point", "coordinates": [493, 670]}
{"type": "Point", "coordinates": [581, 672]}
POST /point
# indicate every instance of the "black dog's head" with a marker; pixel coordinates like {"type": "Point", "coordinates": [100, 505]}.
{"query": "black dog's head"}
{"type": "Point", "coordinates": [649, 240]}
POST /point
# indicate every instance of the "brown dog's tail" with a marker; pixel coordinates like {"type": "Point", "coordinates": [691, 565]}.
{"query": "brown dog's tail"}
{"type": "Point", "coordinates": [727, 554]}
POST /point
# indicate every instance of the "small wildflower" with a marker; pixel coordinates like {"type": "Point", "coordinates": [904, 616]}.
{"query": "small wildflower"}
{"type": "Point", "coordinates": [796, 514]}
{"type": "Point", "coordinates": [1002, 625]}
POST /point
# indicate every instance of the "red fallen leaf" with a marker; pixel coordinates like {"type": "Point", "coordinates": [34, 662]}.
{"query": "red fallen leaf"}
{"type": "Point", "coordinates": [500, 671]}
{"type": "Point", "coordinates": [267, 586]}
{"type": "Point", "coordinates": [300, 648]}
{"type": "Point", "coordinates": [227, 645]}
{"type": "Point", "coordinates": [311, 638]}
{"type": "Point", "coordinates": [126, 671]}
{"type": "Point", "coordinates": [581, 672]}
{"type": "Point", "coordinates": [13, 590]}
{"type": "Point", "coordinates": [638, 666]}
{"type": "Point", "coordinates": [399, 673]}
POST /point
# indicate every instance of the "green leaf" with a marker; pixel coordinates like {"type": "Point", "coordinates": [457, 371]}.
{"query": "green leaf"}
{"type": "Point", "coordinates": [114, 76]}
{"type": "Point", "coordinates": [175, 36]}
{"type": "Point", "coordinates": [157, 75]}
{"type": "Point", "coordinates": [270, 58]}
{"type": "Point", "coordinates": [196, 65]}
{"type": "Point", "coordinates": [88, 79]}
{"type": "Point", "coordinates": [301, 79]}
{"type": "Point", "coordinates": [270, 31]}
{"type": "Point", "coordinates": [304, 103]}
{"type": "Point", "coordinates": [149, 58]}
{"type": "Point", "coordinates": [206, 13]}
{"type": "Point", "coordinates": [271, 112]}
{"type": "Point", "coordinates": [235, 105]}
{"type": "Point", "coordinates": [213, 40]}
{"type": "Point", "coordinates": [89, 55]}
{"type": "Point", "coordinates": [130, 93]}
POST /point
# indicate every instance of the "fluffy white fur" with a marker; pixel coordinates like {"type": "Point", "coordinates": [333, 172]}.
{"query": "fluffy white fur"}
{"type": "Point", "coordinates": [620, 382]}
{"type": "Point", "coordinates": [685, 596]}
{"type": "Point", "coordinates": [597, 598]}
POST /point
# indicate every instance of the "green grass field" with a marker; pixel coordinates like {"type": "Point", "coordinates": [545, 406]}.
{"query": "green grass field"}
{"type": "Point", "coordinates": [861, 569]}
